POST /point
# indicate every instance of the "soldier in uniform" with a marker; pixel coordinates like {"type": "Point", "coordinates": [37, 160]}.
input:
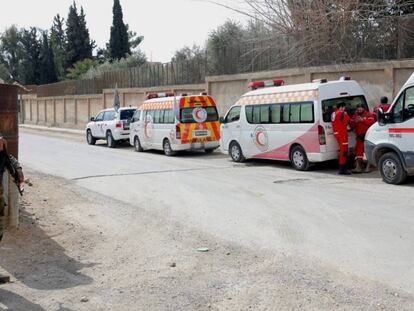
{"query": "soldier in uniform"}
{"type": "Point", "coordinates": [10, 163]}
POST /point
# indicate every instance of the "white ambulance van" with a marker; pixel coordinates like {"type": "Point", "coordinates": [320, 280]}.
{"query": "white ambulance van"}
{"type": "Point", "coordinates": [289, 123]}
{"type": "Point", "coordinates": [389, 143]}
{"type": "Point", "coordinates": [176, 123]}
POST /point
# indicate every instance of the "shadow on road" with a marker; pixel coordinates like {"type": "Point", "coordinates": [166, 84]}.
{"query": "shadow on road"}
{"type": "Point", "coordinates": [38, 261]}
{"type": "Point", "coordinates": [11, 301]}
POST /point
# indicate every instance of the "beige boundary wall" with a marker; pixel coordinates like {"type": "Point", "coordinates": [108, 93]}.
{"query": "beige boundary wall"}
{"type": "Point", "coordinates": [377, 79]}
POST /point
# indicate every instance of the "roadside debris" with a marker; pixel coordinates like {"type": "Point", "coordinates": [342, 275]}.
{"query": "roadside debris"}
{"type": "Point", "coordinates": [84, 299]}
{"type": "Point", "coordinates": [203, 250]}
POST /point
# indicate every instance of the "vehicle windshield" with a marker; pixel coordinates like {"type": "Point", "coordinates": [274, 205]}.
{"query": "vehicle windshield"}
{"type": "Point", "coordinates": [329, 105]}
{"type": "Point", "coordinates": [127, 114]}
{"type": "Point", "coordinates": [186, 115]}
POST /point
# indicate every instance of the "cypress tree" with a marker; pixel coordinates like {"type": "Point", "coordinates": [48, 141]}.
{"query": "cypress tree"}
{"type": "Point", "coordinates": [57, 42]}
{"type": "Point", "coordinates": [30, 67]}
{"type": "Point", "coordinates": [87, 44]}
{"type": "Point", "coordinates": [78, 43]}
{"type": "Point", "coordinates": [119, 45]}
{"type": "Point", "coordinates": [47, 62]}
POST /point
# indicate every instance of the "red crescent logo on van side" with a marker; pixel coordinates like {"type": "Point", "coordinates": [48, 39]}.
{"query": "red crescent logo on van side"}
{"type": "Point", "coordinates": [261, 139]}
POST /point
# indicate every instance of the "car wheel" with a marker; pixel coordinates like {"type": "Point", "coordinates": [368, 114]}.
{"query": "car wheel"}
{"type": "Point", "coordinates": [110, 141]}
{"type": "Point", "coordinates": [167, 148]}
{"type": "Point", "coordinates": [137, 145]}
{"type": "Point", "coordinates": [89, 138]}
{"type": "Point", "coordinates": [391, 169]}
{"type": "Point", "coordinates": [208, 151]}
{"type": "Point", "coordinates": [299, 159]}
{"type": "Point", "coordinates": [236, 152]}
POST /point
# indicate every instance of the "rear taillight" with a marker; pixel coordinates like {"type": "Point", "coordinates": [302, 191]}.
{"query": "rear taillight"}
{"type": "Point", "coordinates": [178, 131]}
{"type": "Point", "coordinates": [322, 136]}
{"type": "Point", "coordinates": [118, 124]}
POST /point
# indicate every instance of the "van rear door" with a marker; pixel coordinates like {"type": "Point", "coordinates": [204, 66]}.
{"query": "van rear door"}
{"type": "Point", "coordinates": [198, 120]}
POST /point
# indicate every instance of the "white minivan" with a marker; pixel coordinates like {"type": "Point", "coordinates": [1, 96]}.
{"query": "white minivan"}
{"type": "Point", "coordinates": [176, 123]}
{"type": "Point", "coordinates": [289, 123]}
{"type": "Point", "coordinates": [389, 144]}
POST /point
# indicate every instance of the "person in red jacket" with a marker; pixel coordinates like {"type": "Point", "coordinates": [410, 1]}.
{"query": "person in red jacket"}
{"type": "Point", "coordinates": [383, 105]}
{"type": "Point", "coordinates": [361, 121]}
{"type": "Point", "coordinates": [340, 121]}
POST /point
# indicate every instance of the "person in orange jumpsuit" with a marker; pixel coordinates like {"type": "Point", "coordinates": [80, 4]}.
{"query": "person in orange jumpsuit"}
{"type": "Point", "coordinates": [361, 121]}
{"type": "Point", "coordinates": [340, 121]}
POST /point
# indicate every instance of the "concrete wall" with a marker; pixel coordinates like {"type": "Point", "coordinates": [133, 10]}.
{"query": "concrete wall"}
{"type": "Point", "coordinates": [377, 79]}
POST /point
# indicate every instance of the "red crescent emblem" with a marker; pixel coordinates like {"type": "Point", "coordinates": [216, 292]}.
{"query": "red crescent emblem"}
{"type": "Point", "coordinates": [258, 140]}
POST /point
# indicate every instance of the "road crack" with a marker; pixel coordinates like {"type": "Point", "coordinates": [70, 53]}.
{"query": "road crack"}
{"type": "Point", "coordinates": [150, 172]}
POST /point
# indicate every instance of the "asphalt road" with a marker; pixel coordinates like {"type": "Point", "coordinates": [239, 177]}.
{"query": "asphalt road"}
{"type": "Point", "coordinates": [357, 225]}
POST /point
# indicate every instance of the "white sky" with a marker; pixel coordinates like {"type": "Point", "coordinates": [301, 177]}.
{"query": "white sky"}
{"type": "Point", "coordinates": [167, 25]}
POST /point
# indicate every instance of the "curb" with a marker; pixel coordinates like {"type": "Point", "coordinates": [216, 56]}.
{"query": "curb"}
{"type": "Point", "coordinates": [51, 129]}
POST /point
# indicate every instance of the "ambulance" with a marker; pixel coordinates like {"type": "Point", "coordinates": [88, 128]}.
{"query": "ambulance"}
{"type": "Point", "coordinates": [176, 123]}
{"type": "Point", "coordinates": [389, 144]}
{"type": "Point", "coordinates": [289, 122]}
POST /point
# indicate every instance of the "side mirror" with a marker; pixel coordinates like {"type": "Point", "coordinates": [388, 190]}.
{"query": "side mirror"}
{"type": "Point", "coordinates": [383, 117]}
{"type": "Point", "coordinates": [92, 119]}
{"type": "Point", "coordinates": [222, 120]}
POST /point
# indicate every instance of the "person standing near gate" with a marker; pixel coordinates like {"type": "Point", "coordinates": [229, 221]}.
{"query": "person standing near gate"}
{"type": "Point", "coordinates": [340, 122]}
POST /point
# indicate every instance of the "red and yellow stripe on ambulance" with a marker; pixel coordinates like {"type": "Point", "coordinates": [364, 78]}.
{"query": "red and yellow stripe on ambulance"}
{"type": "Point", "coordinates": [199, 129]}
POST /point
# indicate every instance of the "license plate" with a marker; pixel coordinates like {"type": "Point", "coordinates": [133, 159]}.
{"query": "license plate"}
{"type": "Point", "coordinates": [203, 133]}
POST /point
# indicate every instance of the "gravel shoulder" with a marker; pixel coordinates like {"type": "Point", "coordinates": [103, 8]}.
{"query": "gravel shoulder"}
{"type": "Point", "coordinates": [77, 250]}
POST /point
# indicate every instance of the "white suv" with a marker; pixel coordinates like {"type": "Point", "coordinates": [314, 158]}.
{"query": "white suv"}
{"type": "Point", "coordinates": [110, 125]}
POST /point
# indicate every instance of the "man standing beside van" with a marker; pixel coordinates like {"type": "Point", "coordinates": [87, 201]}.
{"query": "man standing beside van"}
{"type": "Point", "coordinates": [361, 121]}
{"type": "Point", "coordinates": [384, 105]}
{"type": "Point", "coordinates": [340, 121]}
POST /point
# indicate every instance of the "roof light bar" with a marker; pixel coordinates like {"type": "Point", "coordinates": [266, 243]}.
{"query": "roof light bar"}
{"type": "Point", "coordinates": [344, 78]}
{"type": "Point", "coordinates": [320, 81]}
{"type": "Point", "coordinates": [152, 95]}
{"type": "Point", "coordinates": [261, 84]}
{"type": "Point", "coordinates": [160, 95]}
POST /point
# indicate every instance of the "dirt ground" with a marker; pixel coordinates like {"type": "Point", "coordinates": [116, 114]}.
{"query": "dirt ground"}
{"type": "Point", "coordinates": [76, 250]}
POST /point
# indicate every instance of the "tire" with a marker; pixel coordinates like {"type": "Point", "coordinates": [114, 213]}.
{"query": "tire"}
{"type": "Point", "coordinates": [236, 152]}
{"type": "Point", "coordinates": [137, 145]}
{"type": "Point", "coordinates": [208, 151]}
{"type": "Point", "coordinates": [167, 148]}
{"type": "Point", "coordinates": [110, 141]}
{"type": "Point", "coordinates": [90, 139]}
{"type": "Point", "coordinates": [391, 169]}
{"type": "Point", "coordinates": [299, 159]}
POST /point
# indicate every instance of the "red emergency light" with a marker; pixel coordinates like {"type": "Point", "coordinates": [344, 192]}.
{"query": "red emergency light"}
{"type": "Point", "coordinates": [261, 84]}
{"type": "Point", "coordinates": [152, 95]}
{"type": "Point", "coordinates": [160, 95]}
